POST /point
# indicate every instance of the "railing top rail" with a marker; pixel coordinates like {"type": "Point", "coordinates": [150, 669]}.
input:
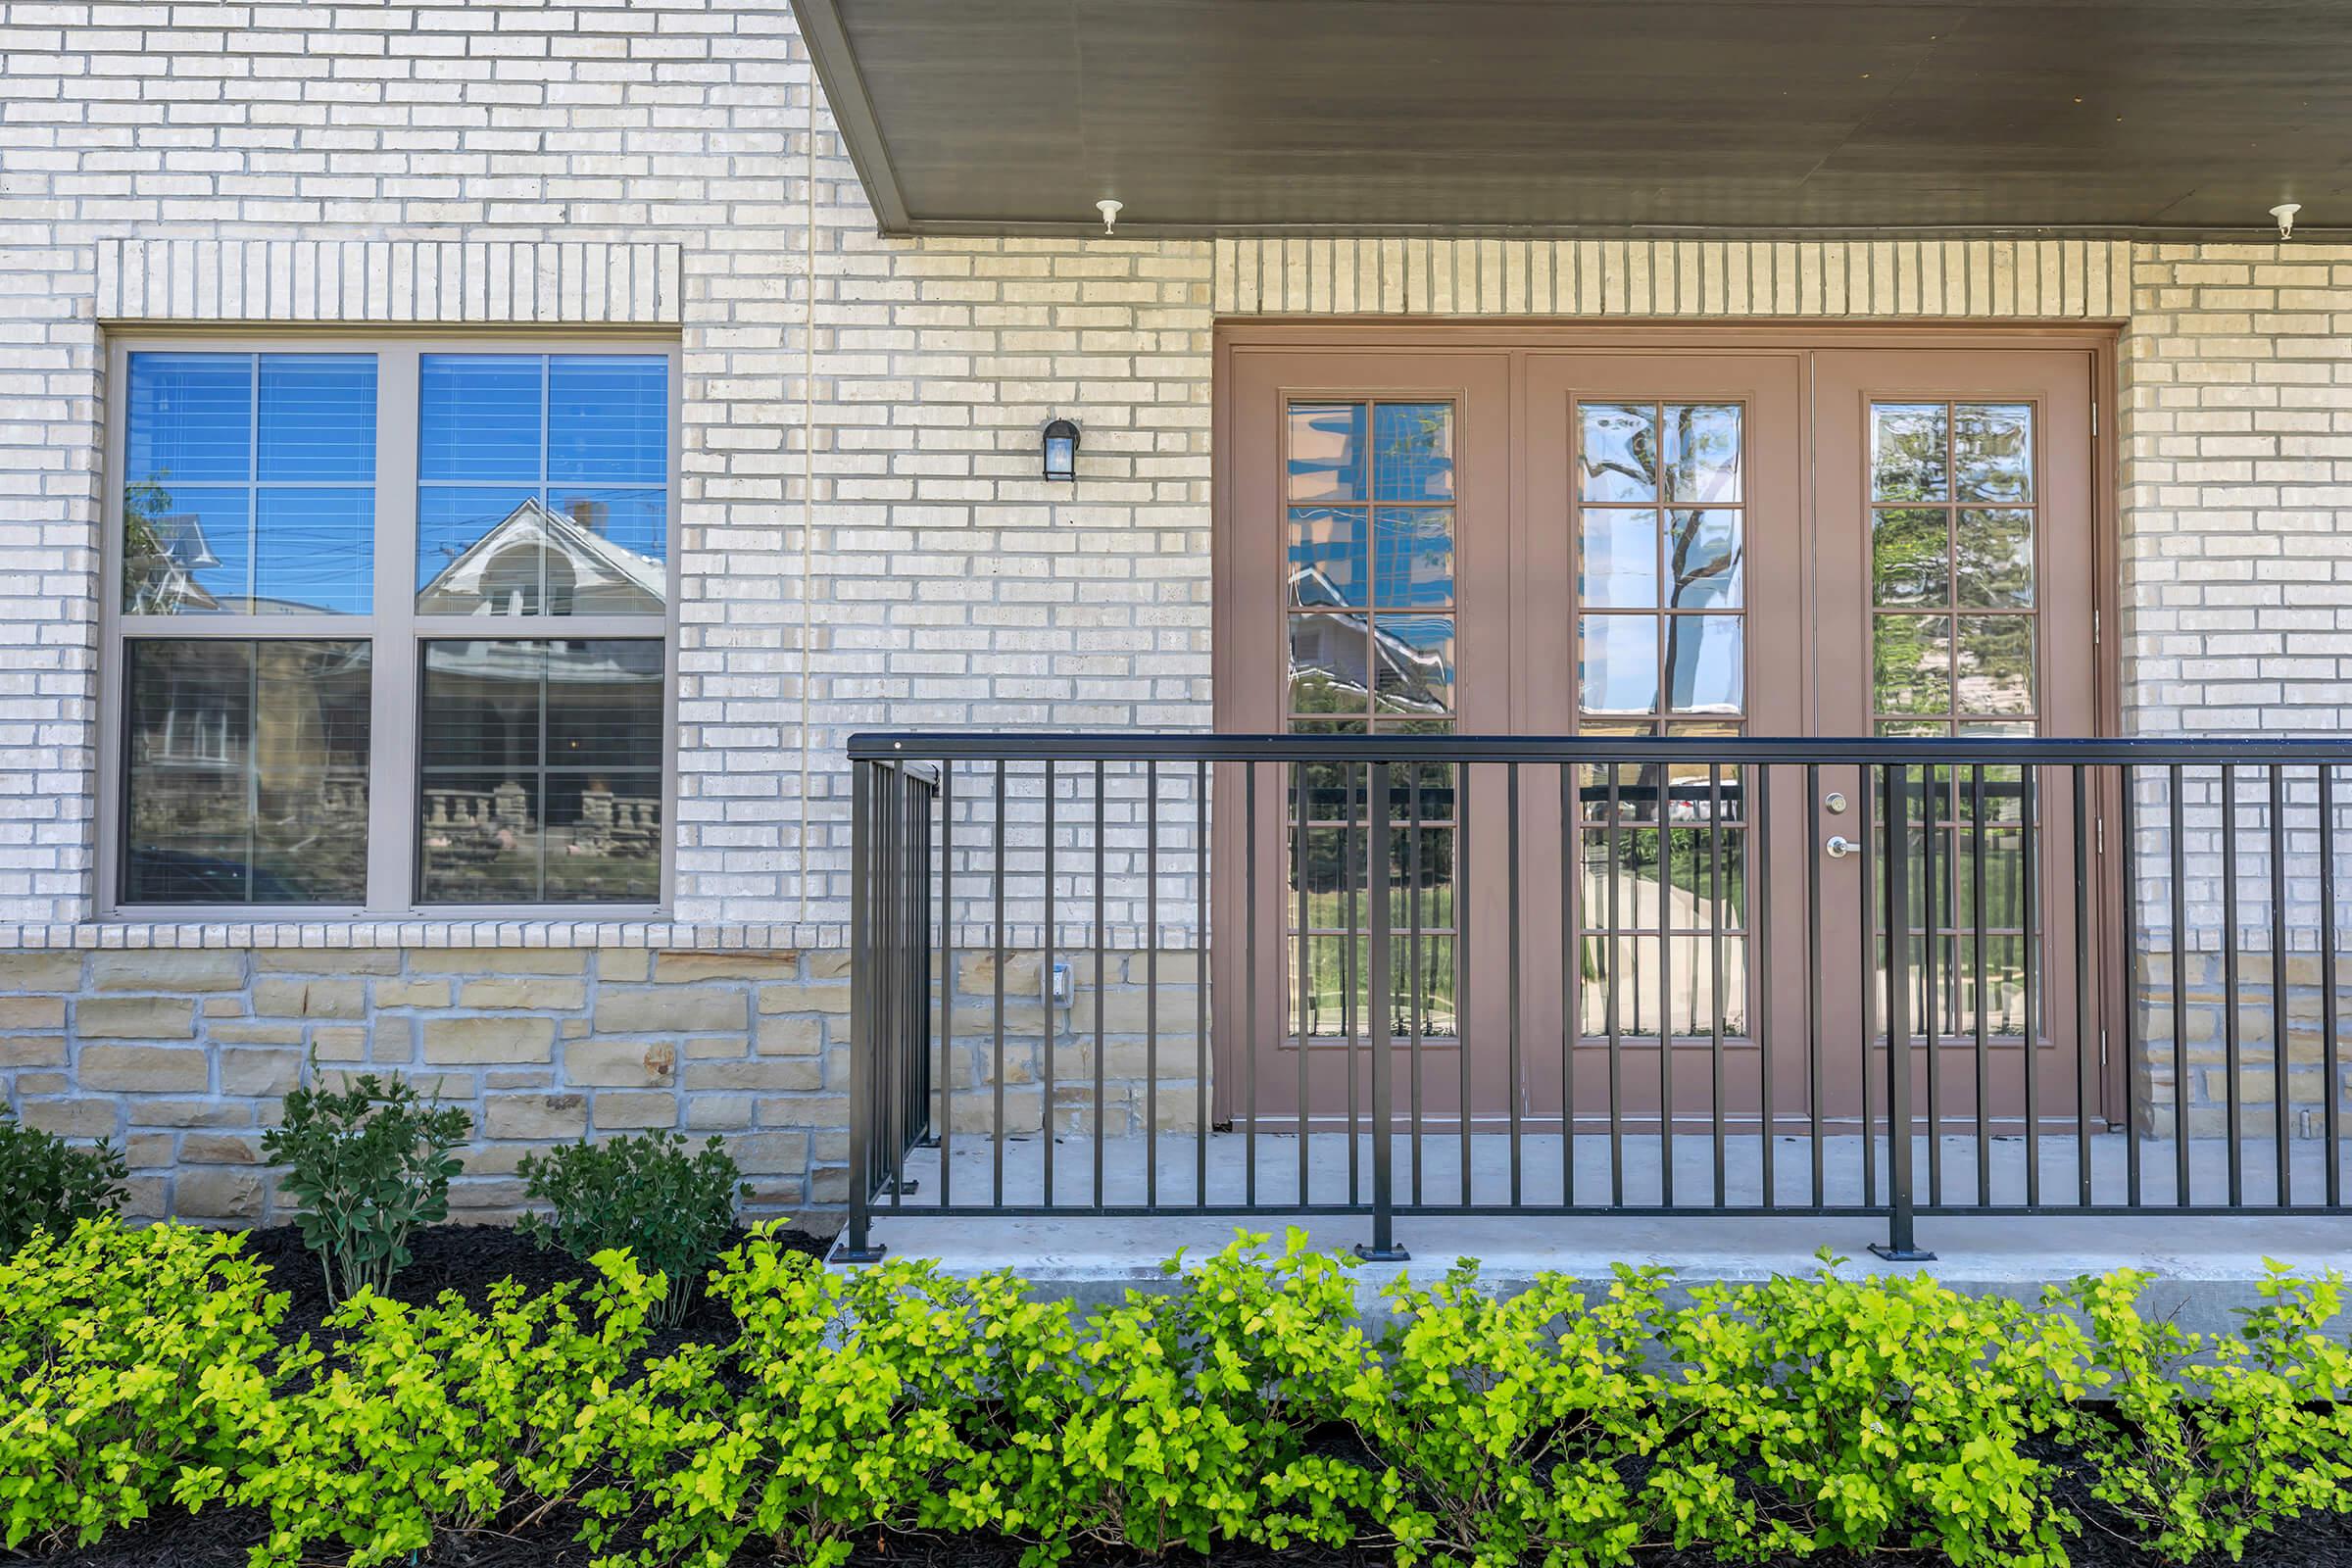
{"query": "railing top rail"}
{"type": "Point", "coordinates": [1142, 746]}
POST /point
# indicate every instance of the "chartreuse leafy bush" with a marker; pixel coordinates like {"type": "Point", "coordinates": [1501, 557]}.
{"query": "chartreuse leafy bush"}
{"type": "Point", "coordinates": [425, 1422]}
{"type": "Point", "coordinates": [1566, 1425]}
{"type": "Point", "coordinates": [114, 1346]}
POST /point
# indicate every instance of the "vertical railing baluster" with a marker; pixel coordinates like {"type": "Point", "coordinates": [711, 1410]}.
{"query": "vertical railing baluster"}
{"type": "Point", "coordinates": [1461, 773]}
{"type": "Point", "coordinates": [1755, 837]}
{"type": "Point", "coordinates": [1514, 1075]}
{"type": "Point", "coordinates": [2229, 1053]}
{"type": "Point", "coordinates": [1979, 940]}
{"type": "Point", "coordinates": [1045, 985]}
{"type": "Point", "coordinates": [2028, 855]}
{"type": "Point", "coordinates": [1664, 869]}
{"type": "Point", "coordinates": [2085, 1015]}
{"type": "Point", "coordinates": [996, 1155]}
{"type": "Point", "coordinates": [1151, 985]}
{"type": "Point", "coordinates": [1611, 949]}
{"type": "Point", "coordinates": [1347, 980]}
{"type": "Point", "coordinates": [2331, 1080]}
{"type": "Point", "coordinates": [2127, 923]}
{"type": "Point", "coordinates": [1103, 980]}
{"type": "Point", "coordinates": [1870, 804]}
{"type": "Point", "coordinates": [1814, 988]}
{"type": "Point", "coordinates": [1716, 970]}
{"type": "Point", "coordinates": [863, 1040]}
{"type": "Point", "coordinates": [1934, 900]}
{"type": "Point", "coordinates": [1202, 1119]}
{"type": "Point", "coordinates": [1571, 998]}
{"type": "Point", "coordinates": [1901, 1244]}
{"type": "Point", "coordinates": [1417, 1000]}
{"type": "Point", "coordinates": [2180, 967]}
{"type": "Point", "coordinates": [1384, 1247]}
{"type": "Point", "coordinates": [1306, 947]}
{"type": "Point", "coordinates": [2284, 1190]}
{"type": "Point", "coordinates": [1248, 971]}
{"type": "Point", "coordinates": [946, 986]}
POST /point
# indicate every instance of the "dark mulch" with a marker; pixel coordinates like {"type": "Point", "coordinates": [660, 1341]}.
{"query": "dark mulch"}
{"type": "Point", "coordinates": [469, 1258]}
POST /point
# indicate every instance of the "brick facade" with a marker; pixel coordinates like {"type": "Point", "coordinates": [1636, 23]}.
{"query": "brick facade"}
{"type": "Point", "coordinates": [863, 540]}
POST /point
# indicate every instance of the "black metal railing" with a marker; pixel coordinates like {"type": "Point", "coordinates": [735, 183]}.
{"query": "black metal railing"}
{"type": "Point", "coordinates": [1431, 975]}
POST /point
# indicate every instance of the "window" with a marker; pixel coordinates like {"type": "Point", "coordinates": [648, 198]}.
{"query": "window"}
{"type": "Point", "coordinates": [390, 625]}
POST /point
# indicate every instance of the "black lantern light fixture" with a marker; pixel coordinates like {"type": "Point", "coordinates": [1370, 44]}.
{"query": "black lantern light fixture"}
{"type": "Point", "coordinates": [1061, 451]}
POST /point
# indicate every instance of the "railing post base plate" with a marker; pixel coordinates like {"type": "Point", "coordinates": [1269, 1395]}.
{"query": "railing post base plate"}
{"type": "Point", "coordinates": [866, 1254]}
{"type": "Point", "coordinates": [1382, 1255]}
{"type": "Point", "coordinates": [1901, 1254]}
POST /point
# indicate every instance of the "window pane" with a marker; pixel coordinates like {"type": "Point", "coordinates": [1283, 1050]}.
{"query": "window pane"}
{"type": "Point", "coordinates": [1413, 553]}
{"type": "Point", "coordinates": [318, 418]}
{"type": "Point", "coordinates": [1327, 556]}
{"type": "Point", "coordinates": [1618, 564]}
{"type": "Point", "coordinates": [246, 771]}
{"type": "Point", "coordinates": [243, 508]}
{"type": "Point", "coordinates": [1913, 659]}
{"type": "Point", "coordinates": [189, 420]}
{"type": "Point", "coordinates": [607, 551]}
{"type": "Point", "coordinates": [1702, 452]}
{"type": "Point", "coordinates": [524, 796]}
{"type": "Point", "coordinates": [478, 416]}
{"type": "Point", "coordinates": [1618, 666]}
{"type": "Point", "coordinates": [314, 550]}
{"type": "Point", "coordinates": [607, 418]}
{"type": "Point", "coordinates": [1412, 451]}
{"type": "Point", "coordinates": [1617, 452]}
{"type": "Point", "coordinates": [1907, 451]}
{"type": "Point", "coordinates": [1327, 452]}
{"type": "Point", "coordinates": [1707, 664]}
{"type": "Point", "coordinates": [187, 552]}
{"type": "Point", "coordinates": [1995, 559]}
{"type": "Point", "coordinates": [1704, 559]}
{"type": "Point", "coordinates": [1910, 560]}
{"type": "Point", "coordinates": [1413, 667]}
{"type": "Point", "coordinates": [1330, 659]}
{"type": "Point", "coordinates": [1992, 451]}
{"type": "Point", "coordinates": [1996, 664]}
{"type": "Point", "coordinates": [478, 550]}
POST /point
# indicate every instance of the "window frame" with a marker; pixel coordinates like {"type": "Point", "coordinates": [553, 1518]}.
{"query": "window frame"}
{"type": "Point", "coordinates": [394, 629]}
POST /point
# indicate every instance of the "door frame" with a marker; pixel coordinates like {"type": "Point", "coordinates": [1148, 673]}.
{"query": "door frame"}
{"type": "Point", "coordinates": [1392, 335]}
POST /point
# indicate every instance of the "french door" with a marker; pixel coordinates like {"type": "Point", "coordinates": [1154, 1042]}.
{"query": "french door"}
{"type": "Point", "coordinates": [1649, 535]}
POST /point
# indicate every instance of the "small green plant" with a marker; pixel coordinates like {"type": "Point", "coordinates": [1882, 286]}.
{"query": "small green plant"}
{"type": "Point", "coordinates": [427, 1422]}
{"type": "Point", "coordinates": [366, 1164]}
{"type": "Point", "coordinates": [127, 1360]}
{"type": "Point", "coordinates": [46, 1183]}
{"type": "Point", "coordinates": [671, 1206]}
{"type": "Point", "coordinates": [2213, 1441]}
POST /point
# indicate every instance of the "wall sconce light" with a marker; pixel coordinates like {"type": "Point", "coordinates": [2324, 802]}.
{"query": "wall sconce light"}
{"type": "Point", "coordinates": [1061, 451]}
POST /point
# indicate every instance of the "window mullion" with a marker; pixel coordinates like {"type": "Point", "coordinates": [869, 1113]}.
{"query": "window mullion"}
{"type": "Point", "coordinates": [392, 796]}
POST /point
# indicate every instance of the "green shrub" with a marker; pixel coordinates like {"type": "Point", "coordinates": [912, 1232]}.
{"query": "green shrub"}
{"type": "Point", "coordinates": [2211, 1441]}
{"type": "Point", "coordinates": [431, 1421]}
{"type": "Point", "coordinates": [46, 1183]}
{"type": "Point", "coordinates": [669, 1207]}
{"type": "Point", "coordinates": [872, 1402]}
{"type": "Point", "coordinates": [1506, 1426]}
{"type": "Point", "coordinates": [366, 1164]}
{"type": "Point", "coordinates": [1809, 1416]}
{"type": "Point", "coordinates": [126, 1358]}
{"type": "Point", "coordinates": [1190, 1421]}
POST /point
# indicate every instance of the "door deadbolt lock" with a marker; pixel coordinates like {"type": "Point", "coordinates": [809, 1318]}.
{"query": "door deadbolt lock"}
{"type": "Point", "coordinates": [1834, 803]}
{"type": "Point", "coordinates": [1840, 847]}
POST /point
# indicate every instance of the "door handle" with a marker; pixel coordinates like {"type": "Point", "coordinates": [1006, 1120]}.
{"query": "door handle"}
{"type": "Point", "coordinates": [1840, 847]}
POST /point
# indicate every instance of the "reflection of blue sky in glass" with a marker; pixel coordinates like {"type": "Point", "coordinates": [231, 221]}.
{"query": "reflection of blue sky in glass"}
{"type": "Point", "coordinates": [1327, 552]}
{"type": "Point", "coordinates": [1326, 457]}
{"type": "Point", "coordinates": [1617, 672]}
{"type": "Point", "coordinates": [585, 435]}
{"type": "Point", "coordinates": [1617, 561]}
{"type": "Point", "coordinates": [1705, 663]}
{"type": "Point", "coordinates": [253, 476]}
{"type": "Point", "coordinates": [1413, 556]}
{"type": "Point", "coordinates": [1617, 447]}
{"type": "Point", "coordinates": [1412, 451]}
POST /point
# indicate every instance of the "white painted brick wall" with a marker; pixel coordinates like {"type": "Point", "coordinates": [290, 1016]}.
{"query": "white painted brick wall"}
{"type": "Point", "coordinates": [861, 537]}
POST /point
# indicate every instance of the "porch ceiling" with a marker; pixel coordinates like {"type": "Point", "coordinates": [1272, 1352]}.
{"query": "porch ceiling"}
{"type": "Point", "coordinates": [1389, 116]}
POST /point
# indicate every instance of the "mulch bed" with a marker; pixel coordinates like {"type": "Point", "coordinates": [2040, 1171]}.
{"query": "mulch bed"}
{"type": "Point", "coordinates": [471, 1258]}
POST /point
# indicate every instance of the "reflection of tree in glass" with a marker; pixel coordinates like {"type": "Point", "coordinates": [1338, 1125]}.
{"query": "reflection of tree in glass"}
{"type": "Point", "coordinates": [147, 582]}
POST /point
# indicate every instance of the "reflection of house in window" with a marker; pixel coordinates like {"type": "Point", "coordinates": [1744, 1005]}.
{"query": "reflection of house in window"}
{"type": "Point", "coordinates": [538, 562]}
{"type": "Point", "coordinates": [1390, 655]}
